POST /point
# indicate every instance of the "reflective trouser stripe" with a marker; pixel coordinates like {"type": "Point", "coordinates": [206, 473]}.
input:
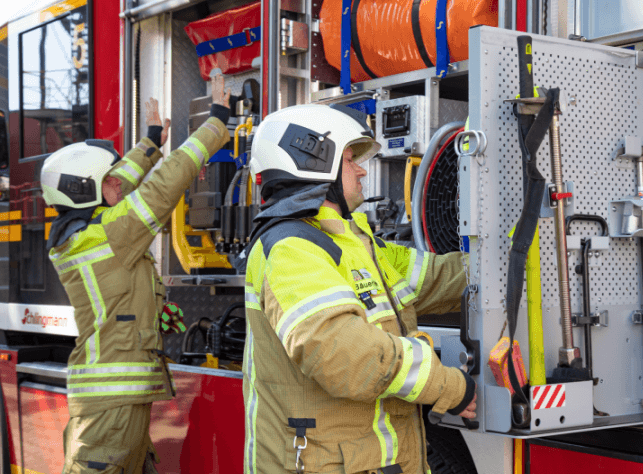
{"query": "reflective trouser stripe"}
{"type": "Point", "coordinates": [115, 371]}
{"type": "Point", "coordinates": [250, 460]}
{"type": "Point", "coordinates": [92, 345]}
{"type": "Point", "coordinates": [84, 258]}
{"type": "Point", "coordinates": [138, 387]}
{"type": "Point", "coordinates": [326, 299]}
{"type": "Point", "coordinates": [385, 434]}
{"type": "Point", "coordinates": [144, 212]}
{"type": "Point", "coordinates": [412, 377]}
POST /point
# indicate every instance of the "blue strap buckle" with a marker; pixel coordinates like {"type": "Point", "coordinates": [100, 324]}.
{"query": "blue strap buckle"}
{"type": "Point", "coordinates": [247, 37]}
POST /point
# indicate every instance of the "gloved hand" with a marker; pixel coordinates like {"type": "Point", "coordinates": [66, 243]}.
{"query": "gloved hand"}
{"type": "Point", "coordinates": [172, 319]}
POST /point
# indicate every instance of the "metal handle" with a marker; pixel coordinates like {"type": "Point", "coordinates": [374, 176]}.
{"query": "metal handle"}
{"type": "Point", "coordinates": [587, 217]}
{"type": "Point", "coordinates": [472, 346]}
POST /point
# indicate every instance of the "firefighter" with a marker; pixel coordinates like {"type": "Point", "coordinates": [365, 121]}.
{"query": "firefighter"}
{"type": "Point", "coordinates": [335, 369]}
{"type": "Point", "coordinates": [99, 246]}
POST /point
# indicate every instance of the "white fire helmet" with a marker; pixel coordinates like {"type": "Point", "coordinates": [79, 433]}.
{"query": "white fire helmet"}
{"type": "Point", "coordinates": [72, 177]}
{"type": "Point", "coordinates": [306, 143]}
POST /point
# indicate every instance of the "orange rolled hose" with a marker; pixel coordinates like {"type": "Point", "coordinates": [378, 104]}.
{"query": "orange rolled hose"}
{"type": "Point", "coordinates": [385, 33]}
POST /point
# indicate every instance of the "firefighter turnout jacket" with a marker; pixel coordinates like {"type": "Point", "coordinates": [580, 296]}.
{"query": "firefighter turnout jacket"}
{"type": "Point", "coordinates": [109, 276]}
{"type": "Point", "coordinates": [331, 363]}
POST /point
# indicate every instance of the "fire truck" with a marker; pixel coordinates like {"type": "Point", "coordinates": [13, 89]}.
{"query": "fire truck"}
{"type": "Point", "coordinates": [442, 83]}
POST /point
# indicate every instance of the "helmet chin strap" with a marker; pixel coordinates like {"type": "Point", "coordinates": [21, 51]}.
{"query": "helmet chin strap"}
{"type": "Point", "coordinates": [335, 194]}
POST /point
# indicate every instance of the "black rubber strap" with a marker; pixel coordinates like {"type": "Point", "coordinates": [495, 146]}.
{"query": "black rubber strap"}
{"type": "Point", "coordinates": [355, 40]}
{"type": "Point", "coordinates": [526, 226]}
{"type": "Point", "coordinates": [301, 424]}
{"type": "Point", "coordinates": [392, 469]}
{"type": "Point", "coordinates": [417, 33]}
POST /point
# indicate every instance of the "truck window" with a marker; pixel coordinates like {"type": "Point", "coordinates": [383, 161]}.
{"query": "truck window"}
{"type": "Point", "coordinates": [55, 84]}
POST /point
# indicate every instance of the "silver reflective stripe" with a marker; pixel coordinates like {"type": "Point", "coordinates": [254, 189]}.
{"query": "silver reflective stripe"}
{"type": "Point", "coordinates": [135, 174]}
{"type": "Point", "coordinates": [417, 270]}
{"type": "Point", "coordinates": [404, 292]}
{"type": "Point", "coordinates": [84, 259]}
{"type": "Point", "coordinates": [379, 307]}
{"type": "Point", "coordinates": [388, 439]}
{"type": "Point", "coordinates": [212, 128]}
{"type": "Point", "coordinates": [195, 149]}
{"type": "Point", "coordinates": [137, 201]}
{"type": "Point", "coordinates": [251, 297]}
{"type": "Point", "coordinates": [414, 370]}
{"type": "Point", "coordinates": [112, 370]}
{"type": "Point", "coordinates": [113, 388]}
{"type": "Point", "coordinates": [100, 311]}
{"type": "Point", "coordinates": [311, 305]}
{"type": "Point", "coordinates": [251, 416]}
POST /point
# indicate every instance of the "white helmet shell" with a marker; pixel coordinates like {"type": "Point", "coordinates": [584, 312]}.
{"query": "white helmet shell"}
{"type": "Point", "coordinates": [306, 142]}
{"type": "Point", "coordinates": [73, 175]}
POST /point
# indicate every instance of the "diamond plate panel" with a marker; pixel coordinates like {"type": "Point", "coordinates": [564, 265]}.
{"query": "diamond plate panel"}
{"type": "Point", "coordinates": [196, 303]}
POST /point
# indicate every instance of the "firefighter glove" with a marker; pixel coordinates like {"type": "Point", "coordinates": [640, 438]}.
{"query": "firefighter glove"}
{"type": "Point", "coordinates": [172, 319]}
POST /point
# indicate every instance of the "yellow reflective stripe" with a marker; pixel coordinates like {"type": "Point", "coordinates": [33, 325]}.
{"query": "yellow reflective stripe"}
{"type": "Point", "coordinates": [383, 308]}
{"type": "Point", "coordinates": [252, 299]}
{"type": "Point", "coordinates": [385, 434]}
{"type": "Point", "coordinates": [416, 367]}
{"type": "Point", "coordinates": [144, 212]}
{"type": "Point", "coordinates": [92, 345]}
{"type": "Point", "coordinates": [193, 151]}
{"type": "Point", "coordinates": [116, 388]}
{"type": "Point", "coordinates": [135, 166]}
{"type": "Point", "coordinates": [336, 296]}
{"type": "Point", "coordinates": [123, 172]}
{"type": "Point", "coordinates": [407, 360]}
{"type": "Point", "coordinates": [417, 270]}
{"type": "Point", "coordinates": [250, 451]}
{"type": "Point", "coordinates": [200, 146]}
{"type": "Point", "coordinates": [114, 364]}
{"type": "Point", "coordinates": [84, 258]}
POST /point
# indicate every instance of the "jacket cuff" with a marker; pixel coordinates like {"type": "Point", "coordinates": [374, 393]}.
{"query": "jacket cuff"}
{"type": "Point", "coordinates": [220, 112]}
{"type": "Point", "coordinates": [469, 393]}
{"type": "Point", "coordinates": [147, 146]}
{"type": "Point", "coordinates": [154, 133]}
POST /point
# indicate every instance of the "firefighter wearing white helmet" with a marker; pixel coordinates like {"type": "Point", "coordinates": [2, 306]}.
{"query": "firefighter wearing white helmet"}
{"type": "Point", "coordinates": [99, 246]}
{"type": "Point", "coordinates": [334, 367]}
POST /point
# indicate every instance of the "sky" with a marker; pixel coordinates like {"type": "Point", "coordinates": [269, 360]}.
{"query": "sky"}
{"type": "Point", "coordinates": [14, 9]}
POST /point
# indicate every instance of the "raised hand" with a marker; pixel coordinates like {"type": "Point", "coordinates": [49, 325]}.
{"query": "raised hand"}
{"type": "Point", "coordinates": [219, 95]}
{"type": "Point", "coordinates": [152, 117]}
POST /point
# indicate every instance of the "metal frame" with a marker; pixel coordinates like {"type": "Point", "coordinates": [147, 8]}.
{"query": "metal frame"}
{"type": "Point", "coordinates": [486, 213]}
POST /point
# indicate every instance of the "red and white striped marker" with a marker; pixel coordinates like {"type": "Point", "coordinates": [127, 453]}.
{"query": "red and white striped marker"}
{"type": "Point", "coordinates": [548, 396]}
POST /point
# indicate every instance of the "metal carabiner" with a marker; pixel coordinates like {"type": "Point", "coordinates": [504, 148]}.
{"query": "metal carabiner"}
{"type": "Point", "coordinates": [299, 465]}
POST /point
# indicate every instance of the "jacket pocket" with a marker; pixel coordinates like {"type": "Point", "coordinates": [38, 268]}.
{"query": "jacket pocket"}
{"type": "Point", "coordinates": [125, 332]}
{"type": "Point", "coordinates": [362, 455]}
{"type": "Point", "coordinates": [148, 339]}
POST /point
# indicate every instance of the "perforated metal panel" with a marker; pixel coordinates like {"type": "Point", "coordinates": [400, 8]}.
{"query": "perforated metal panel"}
{"type": "Point", "coordinates": [603, 89]}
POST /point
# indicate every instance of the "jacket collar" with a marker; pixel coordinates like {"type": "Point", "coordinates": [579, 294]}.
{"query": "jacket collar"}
{"type": "Point", "coordinates": [329, 220]}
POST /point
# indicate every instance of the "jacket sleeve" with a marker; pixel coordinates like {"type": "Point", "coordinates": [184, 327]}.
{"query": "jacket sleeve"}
{"type": "Point", "coordinates": [133, 223]}
{"type": "Point", "coordinates": [320, 322]}
{"type": "Point", "coordinates": [135, 165]}
{"type": "Point", "coordinates": [437, 280]}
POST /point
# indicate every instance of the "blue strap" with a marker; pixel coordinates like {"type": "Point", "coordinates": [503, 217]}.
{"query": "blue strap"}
{"type": "Point", "coordinates": [366, 106]}
{"type": "Point", "coordinates": [225, 156]}
{"type": "Point", "coordinates": [345, 73]}
{"type": "Point", "coordinates": [217, 45]}
{"type": "Point", "coordinates": [442, 45]}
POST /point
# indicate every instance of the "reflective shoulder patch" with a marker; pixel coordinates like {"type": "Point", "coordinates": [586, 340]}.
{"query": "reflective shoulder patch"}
{"type": "Point", "coordinates": [300, 229]}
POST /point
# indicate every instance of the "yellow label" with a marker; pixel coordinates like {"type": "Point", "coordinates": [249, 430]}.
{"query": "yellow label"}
{"type": "Point", "coordinates": [528, 49]}
{"type": "Point", "coordinates": [60, 8]}
{"type": "Point", "coordinates": [529, 67]}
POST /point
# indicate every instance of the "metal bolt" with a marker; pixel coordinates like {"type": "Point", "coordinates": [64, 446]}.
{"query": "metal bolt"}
{"type": "Point", "coordinates": [572, 100]}
{"type": "Point", "coordinates": [547, 60]}
{"type": "Point", "coordinates": [486, 170]}
{"type": "Point", "coordinates": [599, 299]}
{"type": "Point", "coordinates": [486, 104]}
{"type": "Point", "coordinates": [486, 236]}
{"type": "Point", "coordinates": [435, 83]}
{"type": "Point", "coordinates": [595, 173]}
{"type": "Point", "coordinates": [486, 51]}
{"type": "Point", "coordinates": [590, 254]}
{"type": "Point", "coordinates": [569, 254]}
{"type": "Point", "coordinates": [614, 208]}
{"type": "Point", "coordinates": [486, 301]}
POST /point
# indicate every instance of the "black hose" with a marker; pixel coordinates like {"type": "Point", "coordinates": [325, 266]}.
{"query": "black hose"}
{"type": "Point", "coordinates": [587, 329]}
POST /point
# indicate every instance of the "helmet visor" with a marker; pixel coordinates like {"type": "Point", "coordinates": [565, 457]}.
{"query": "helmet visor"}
{"type": "Point", "coordinates": [363, 149]}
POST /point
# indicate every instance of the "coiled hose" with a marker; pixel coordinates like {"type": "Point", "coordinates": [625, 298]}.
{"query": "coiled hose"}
{"type": "Point", "coordinates": [422, 171]}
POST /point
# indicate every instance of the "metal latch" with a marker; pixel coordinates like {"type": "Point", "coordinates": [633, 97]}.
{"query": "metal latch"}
{"type": "Point", "coordinates": [637, 317]}
{"type": "Point", "coordinates": [597, 319]}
